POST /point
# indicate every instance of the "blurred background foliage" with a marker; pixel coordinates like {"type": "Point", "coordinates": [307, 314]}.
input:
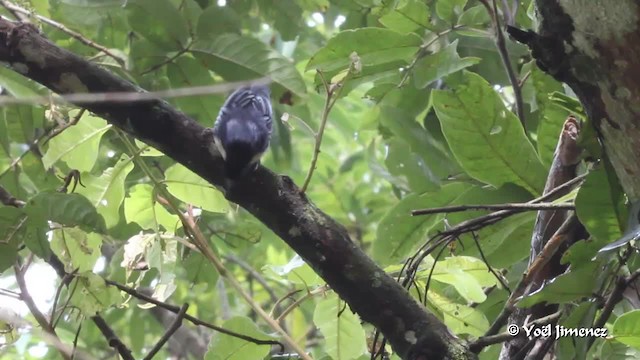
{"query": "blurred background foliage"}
{"type": "Point", "coordinates": [427, 121]}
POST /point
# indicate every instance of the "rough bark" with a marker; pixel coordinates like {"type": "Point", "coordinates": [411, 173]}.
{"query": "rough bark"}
{"type": "Point", "coordinates": [592, 46]}
{"type": "Point", "coordinates": [413, 332]}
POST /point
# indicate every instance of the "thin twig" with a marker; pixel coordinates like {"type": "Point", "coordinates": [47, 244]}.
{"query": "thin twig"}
{"type": "Point", "coordinates": [175, 325]}
{"type": "Point", "coordinates": [33, 308]}
{"type": "Point", "coordinates": [202, 244]}
{"type": "Point", "coordinates": [424, 48]}
{"type": "Point", "coordinates": [295, 304]}
{"type": "Point", "coordinates": [130, 97]}
{"type": "Point", "coordinates": [44, 138]}
{"type": "Point", "coordinates": [192, 319]}
{"type": "Point", "coordinates": [254, 274]}
{"type": "Point", "coordinates": [75, 340]}
{"type": "Point", "coordinates": [167, 61]}
{"type": "Point", "coordinates": [513, 206]}
{"type": "Point", "coordinates": [7, 199]}
{"type": "Point", "coordinates": [484, 341]}
{"type": "Point", "coordinates": [486, 262]}
{"type": "Point", "coordinates": [612, 300]}
{"type": "Point", "coordinates": [113, 339]}
{"type": "Point", "coordinates": [501, 45]}
{"type": "Point", "coordinates": [320, 133]}
{"type": "Point", "coordinates": [16, 9]}
{"type": "Point", "coordinates": [541, 259]}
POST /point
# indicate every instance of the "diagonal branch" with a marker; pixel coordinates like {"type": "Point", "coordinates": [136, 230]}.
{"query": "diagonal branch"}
{"type": "Point", "coordinates": [325, 245]}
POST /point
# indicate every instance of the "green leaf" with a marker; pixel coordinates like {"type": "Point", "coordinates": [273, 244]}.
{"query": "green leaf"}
{"type": "Point", "coordinates": [460, 319]}
{"type": "Point", "coordinates": [447, 9]}
{"type": "Point", "coordinates": [374, 46]}
{"type": "Point", "coordinates": [191, 188]}
{"type": "Point", "coordinates": [76, 248]}
{"type": "Point", "coordinates": [409, 16]}
{"type": "Point", "coordinates": [574, 285]}
{"type": "Point", "coordinates": [217, 20]}
{"type": "Point", "coordinates": [12, 224]}
{"type": "Point", "coordinates": [440, 64]}
{"type": "Point", "coordinates": [486, 138]}
{"type": "Point", "coordinates": [343, 334]}
{"type": "Point", "coordinates": [467, 274]}
{"type": "Point", "coordinates": [140, 207]}
{"type": "Point", "coordinates": [106, 191]}
{"type": "Point", "coordinates": [549, 128]}
{"type": "Point", "coordinates": [225, 347]}
{"type": "Point", "coordinates": [186, 72]}
{"type": "Point", "coordinates": [66, 209]}
{"type": "Point", "coordinates": [90, 294]}
{"type": "Point", "coordinates": [474, 16]}
{"type": "Point", "coordinates": [200, 270]}
{"type": "Point", "coordinates": [626, 329]}
{"type": "Point", "coordinates": [77, 145]}
{"type": "Point", "coordinates": [399, 232]}
{"type": "Point", "coordinates": [236, 57]}
{"type": "Point", "coordinates": [600, 204]}
{"type": "Point", "coordinates": [18, 85]}
{"type": "Point", "coordinates": [149, 18]}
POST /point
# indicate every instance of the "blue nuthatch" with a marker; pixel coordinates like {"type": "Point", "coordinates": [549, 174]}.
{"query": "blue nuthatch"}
{"type": "Point", "coordinates": [243, 129]}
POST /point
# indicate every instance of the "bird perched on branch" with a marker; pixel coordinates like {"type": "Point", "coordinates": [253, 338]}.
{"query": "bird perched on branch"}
{"type": "Point", "coordinates": [243, 129]}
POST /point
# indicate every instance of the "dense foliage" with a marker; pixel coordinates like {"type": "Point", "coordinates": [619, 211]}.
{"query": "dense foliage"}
{"type": "Point", "coordinates": [424, 117]}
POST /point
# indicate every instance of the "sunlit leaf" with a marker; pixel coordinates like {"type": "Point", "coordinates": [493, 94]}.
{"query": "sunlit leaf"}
{"type": "Point", "coordinates": [486, 138]}
{"type": "Point", "coordinates": [77, 145]}
{"type": "Point", "coordinates": [343, 334]}
{"type": "Point", "coordinates": [190, 188]}
{"type": "Point", "coordinates": [106, 191]}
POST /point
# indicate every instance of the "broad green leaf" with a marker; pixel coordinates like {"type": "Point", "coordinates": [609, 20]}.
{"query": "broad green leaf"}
{"type": "Point", "coordinates": [374, 46]}
{"type": "Point", "coordinates": [147, 150]}
{"type": "Point", "coordinates": [12, 224]}
{"type": "Point", "coordinates": [21, 122]}
{"type": "Point", "coordinates": [574, 285]}
{"type": "Point", "coordinates": [399, 232]}
{"type": "Point", "coordinates": [225, 347]}
{"type": "Point", "coordinates": [106, 191]}
{"type": "Point", "coordinates": [66, 209]}
{"type": "Point", "coordinates": [459, 318]}
{"type": "Point", "coordinates": [486, 138]}
{"type": "Point", "coordinates": [18, 85]}
{"type": "Point", "coordinates": [90, 294]}
{"type": "Point", "coordinates": [549, 128]}
{"type": "Point", "coordinates": [190, 188]}
{"type": "Point", "coordinates": [236, 57]}
{"type": "Point", "coordinates": [140, 207]}
{"type": "Point", "coordinates": [599, 205]}
{"type": "Point", "coordinates": [503, 243]}
{"type": "Point", "coordinates": [287, 15]}
{"type": "Point", "coordinates": [150, 18]}
{"type": "Point", "coordinates": [76, 248]}
{"type": "Point", "coordinates": [409, 16]}
{"type": "Point", "coordinates": [343, 334]}
{"type": "Point", "coordinates": [200, 270]}
{"type": "Point", "coordinates": [78, 144]}
{"type": "Point", "coordinates": [474, 16]}
{"type": "Point", "coordinates": [217, 20]}
{"type": "Point", "coordinates": [440, 64]}
{"type": "Point", "coordinates": [626, 329]}
{"type": "Point", "coordinates": [447, 9]}
{"type": "Point", "coordinates": [467, 274]}
{"type": "Point", "coordinates": [186, 72]}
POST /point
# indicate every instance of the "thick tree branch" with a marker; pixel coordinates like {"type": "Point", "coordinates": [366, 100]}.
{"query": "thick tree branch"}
{"type": "Point", "coordinates": [275, 200]}
{"type": "Point", "coordinates": [601, 64]}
